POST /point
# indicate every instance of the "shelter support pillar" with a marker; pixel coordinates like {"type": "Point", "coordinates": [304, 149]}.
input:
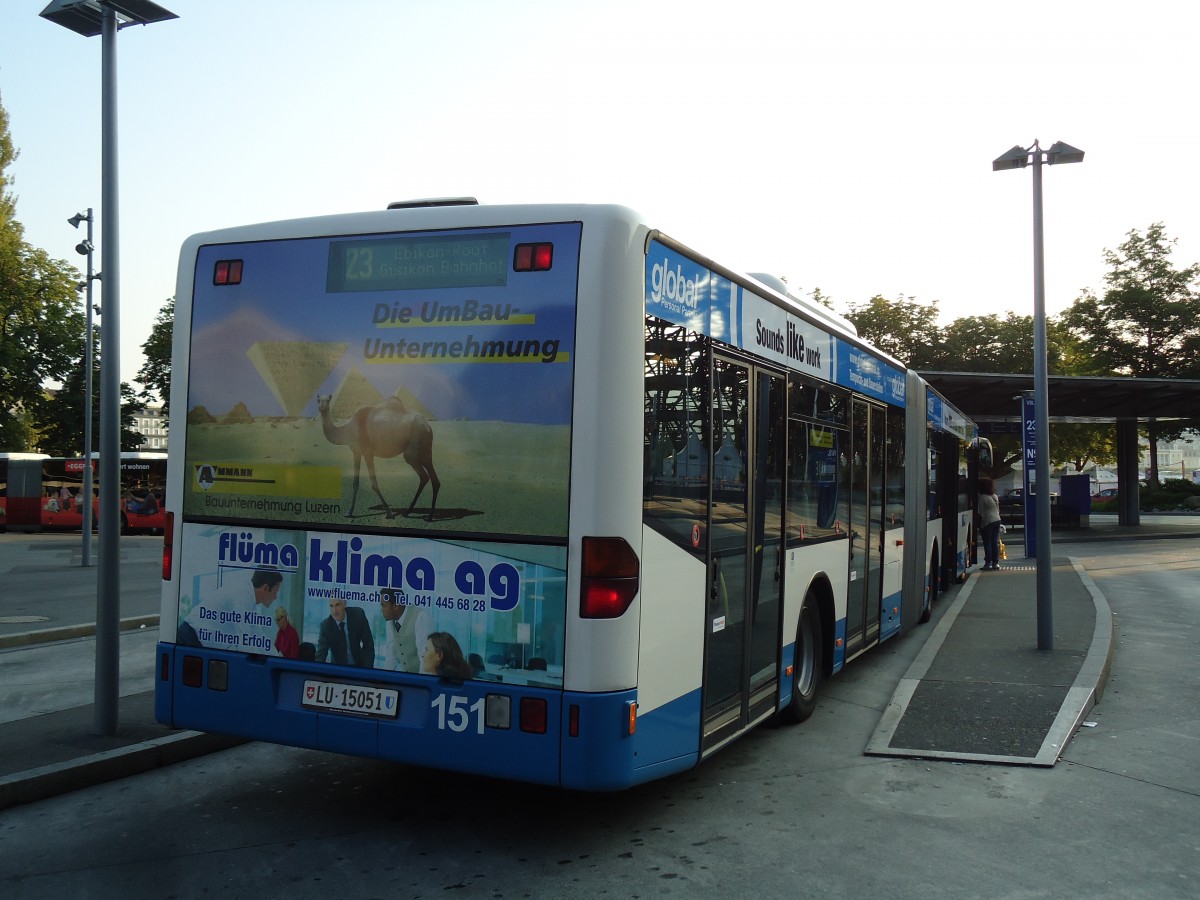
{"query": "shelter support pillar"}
{"type": "Point", "coordinates": [1128, 512]}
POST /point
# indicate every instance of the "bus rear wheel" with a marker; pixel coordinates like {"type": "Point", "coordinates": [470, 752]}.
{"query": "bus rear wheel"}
{"type": "Point", "coordinates": [809, 664]}
{"type": "Point", "coordinates": [934, 583]}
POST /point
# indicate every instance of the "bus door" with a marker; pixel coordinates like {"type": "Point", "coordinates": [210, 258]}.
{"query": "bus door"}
{"type": "Point", "coordinates": [745, 564]}
{"type": "Point", "coordinates": [952, 501]}
{"type": "Point", "coordinates": [866, 525]}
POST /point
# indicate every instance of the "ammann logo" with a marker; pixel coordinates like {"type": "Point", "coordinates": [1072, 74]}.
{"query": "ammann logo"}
{"type": "Point", "coordinates": [671, 288]}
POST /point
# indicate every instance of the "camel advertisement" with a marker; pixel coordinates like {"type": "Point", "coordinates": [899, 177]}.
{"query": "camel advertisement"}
{"type": "Point", "coordinates": [459, 610]}
{"type": "Point", "coordinates": [384, 382]}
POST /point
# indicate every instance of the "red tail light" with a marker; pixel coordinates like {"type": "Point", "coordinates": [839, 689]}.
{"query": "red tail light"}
{"type": "Point", "coordinates": [193, 671]}
{"type": "Point", "coordinates": [610, 578]}
{"type": "Point", "coordinates": [168, 543]}
{"type": "Point", "coordinates": [533, 257]}
{"type": "Point", "coordinates": [533, 715]}
{"type": "Point", "coordinates": [227, 271]}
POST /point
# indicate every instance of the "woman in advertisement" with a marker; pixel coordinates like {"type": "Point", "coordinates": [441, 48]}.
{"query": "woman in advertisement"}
{"type": "Point", "coordinates": [444, 657]}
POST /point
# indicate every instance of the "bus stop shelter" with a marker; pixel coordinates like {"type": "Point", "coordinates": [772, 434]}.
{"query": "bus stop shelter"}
{"type": "Point", "coordinates": [1125, 401]}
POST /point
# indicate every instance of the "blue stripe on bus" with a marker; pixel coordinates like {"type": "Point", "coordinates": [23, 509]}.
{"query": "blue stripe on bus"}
{"type": "Point", "coordinates": [262, 701]}
{"type": "Point", "coordinates": [839, 646]}
{"type": "Point", "coordinates": [889, 622]}
{"type": "Point", "coordinates": [605, 757]}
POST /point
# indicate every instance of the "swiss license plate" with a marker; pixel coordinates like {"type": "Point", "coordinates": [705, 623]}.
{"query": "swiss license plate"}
{"type": "Point", "coordinates": [352, 698]}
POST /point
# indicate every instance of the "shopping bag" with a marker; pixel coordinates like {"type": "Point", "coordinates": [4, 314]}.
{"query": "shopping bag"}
{"type": "Point", "coordinates": [1003, 552]}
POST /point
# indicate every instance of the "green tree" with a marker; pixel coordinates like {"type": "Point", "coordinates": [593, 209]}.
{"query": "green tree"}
{"type": "Point", "coordinates": [817, 296]}
{"type": "Point", "coordinates": [60, 423]}
{"type": "Point", "coordinates": [906, 329]}
{"type": "Point", "coordinates": [1079, 445]}
{"type": "Point", "coordinates": [1147, 323]}
{"type": "Point", "coordinates": [41, 322]}
{"type": "Point", "coordinates": [1004, 345]}
{"type": "Point", "coordinates": [155, 373]}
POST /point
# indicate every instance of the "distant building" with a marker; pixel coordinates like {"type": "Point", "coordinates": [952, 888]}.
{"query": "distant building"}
{"type": "Point", "coordinates": [153, 425]}
{"type": "Point", "coordinates": [1176, 459]}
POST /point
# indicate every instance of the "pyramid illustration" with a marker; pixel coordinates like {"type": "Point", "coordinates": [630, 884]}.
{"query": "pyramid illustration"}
{"type": "Point", "coordinates": [411, 403]}
{"type": "Point", "coordinates": [293, 370]}
{"type": "Point", "coordinates": [353, 392]}
{"type": "Point", "coordinates": [199, 415]}
{"type": "Point", "coordinates": [239, 413]}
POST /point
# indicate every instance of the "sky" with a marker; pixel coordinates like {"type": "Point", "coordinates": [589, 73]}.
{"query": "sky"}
{"type": "Point", "coordinates": [845, 146]}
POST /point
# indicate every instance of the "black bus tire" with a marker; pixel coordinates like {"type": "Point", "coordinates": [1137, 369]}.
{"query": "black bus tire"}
{"type": "Point", "coordinates": [934, 584]}
{"type": "Point", "coordinates": [808, 669]}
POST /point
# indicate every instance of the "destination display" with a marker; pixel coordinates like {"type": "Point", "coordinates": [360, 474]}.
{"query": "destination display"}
{"type": "Point", "coordinates": [418, 263]}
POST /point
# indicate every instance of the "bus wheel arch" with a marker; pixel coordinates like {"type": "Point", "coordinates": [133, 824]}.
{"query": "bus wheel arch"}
{"type": "Point", "coordinates": [811, 661]}
{"type": "Point", "coordinates": [932, 588]}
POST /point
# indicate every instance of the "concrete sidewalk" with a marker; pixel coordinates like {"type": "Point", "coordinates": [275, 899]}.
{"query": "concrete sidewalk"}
{"type": "Point", "coordinates": [981, 671]}
{"type": "Point", "coordinates": [982, 691]}
{"type": "Point", "coordinates": [48, 741]}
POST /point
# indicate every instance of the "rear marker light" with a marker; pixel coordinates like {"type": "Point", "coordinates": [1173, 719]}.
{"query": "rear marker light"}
{"type": "Point", "coordinates": [164, 669]}
{"type": "Point", "coordinates": [498, 712]}
{"type": "Point", "coordinates": [168, 544]}
{"type": "Point", "coordinates": [218, 675]}
{"type": "Point", "coordinates": [573, 719]}
{"type": "Point", "coordinates": [631, 723]}
{"type": "Point", "coordinates": [533, 715]}
{"type": "Point", "coordinates": [227, 271]}
{"type": "Point", "coordinates": [533, 257]}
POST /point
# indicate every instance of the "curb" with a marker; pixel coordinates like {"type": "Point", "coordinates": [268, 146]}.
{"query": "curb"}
{"type": "Point", "coordinates": [62, 778]}
{"type": "Point", "coordinates": [70, 632]}
{"type": "Point", "coordinates": [1088, 686]}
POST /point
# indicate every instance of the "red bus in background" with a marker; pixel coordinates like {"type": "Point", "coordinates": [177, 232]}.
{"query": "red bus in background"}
{"type": "Point", "coordinates": [40, 492]}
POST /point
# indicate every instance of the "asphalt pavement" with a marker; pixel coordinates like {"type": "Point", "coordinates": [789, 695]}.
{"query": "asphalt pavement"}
{"type": "Point", "coordinates": [979, 691]}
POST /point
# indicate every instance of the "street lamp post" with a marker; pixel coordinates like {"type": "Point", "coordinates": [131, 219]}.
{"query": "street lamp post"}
{"type": "Point", "coordinates": [1019, 158]}
{"type": "Point", "coordinates": [89, 18]}
{"type": "Point", "coordinates": [87, 248]}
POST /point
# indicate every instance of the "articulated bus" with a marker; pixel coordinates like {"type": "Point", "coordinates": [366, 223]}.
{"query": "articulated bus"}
{"type": "Point", "coordinates": [45, 493]}
{"type": "Point", "coordinates": [535, 492]}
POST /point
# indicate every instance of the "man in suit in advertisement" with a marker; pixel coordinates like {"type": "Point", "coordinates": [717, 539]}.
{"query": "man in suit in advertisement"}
{"type": "Point", "coordinates": [345, 637]}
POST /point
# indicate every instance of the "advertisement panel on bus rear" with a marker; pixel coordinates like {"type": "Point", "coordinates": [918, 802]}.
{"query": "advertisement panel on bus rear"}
{"type": "Point", "coordinates": [376, 381]}
{"type": "Point", "coordinates": [461, 610]}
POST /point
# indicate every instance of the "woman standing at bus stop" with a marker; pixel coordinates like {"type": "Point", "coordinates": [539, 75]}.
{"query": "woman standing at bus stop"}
{"type": "Point", "coordinates": [989, 521]}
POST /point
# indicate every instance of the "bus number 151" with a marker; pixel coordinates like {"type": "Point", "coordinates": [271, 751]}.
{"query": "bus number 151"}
{"type": "Point", "coordinates": [454, 713]}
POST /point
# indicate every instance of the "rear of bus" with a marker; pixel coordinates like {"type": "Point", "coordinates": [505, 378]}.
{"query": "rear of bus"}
{"type": "Point", "coordinates": [405, 490]}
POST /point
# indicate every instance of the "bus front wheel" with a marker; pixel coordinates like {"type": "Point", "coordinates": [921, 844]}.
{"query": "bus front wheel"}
{"type": "Point", "coordinates": [809, 663]}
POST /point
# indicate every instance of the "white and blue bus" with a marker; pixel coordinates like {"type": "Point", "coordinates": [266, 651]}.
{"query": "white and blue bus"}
{"type": "Point", "coordinates": [620, 504]}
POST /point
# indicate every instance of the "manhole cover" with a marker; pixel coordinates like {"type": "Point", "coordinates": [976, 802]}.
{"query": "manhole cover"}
{"type": "Point", "coordinates": [22, 620]}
